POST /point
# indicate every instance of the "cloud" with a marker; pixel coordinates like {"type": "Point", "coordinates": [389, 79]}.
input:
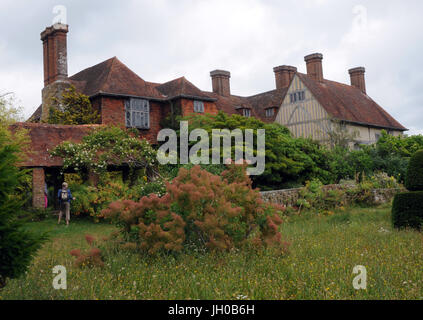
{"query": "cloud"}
{"type": "Point", "coordinates": [164, 39]}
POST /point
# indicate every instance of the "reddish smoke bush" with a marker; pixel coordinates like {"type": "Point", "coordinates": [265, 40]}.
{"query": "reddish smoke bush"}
{"type": "Point", "coordinates": [200, 209]}
{"type": "Point", "coordinates": [91, 258]}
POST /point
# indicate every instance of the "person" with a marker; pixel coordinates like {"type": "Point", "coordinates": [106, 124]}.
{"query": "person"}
{"type": "Point", "coordinates": [65, 197]}
{"type": "Point", "coordinates": [45, 196]}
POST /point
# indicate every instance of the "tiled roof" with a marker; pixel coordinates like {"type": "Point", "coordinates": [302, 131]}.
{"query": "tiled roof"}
{"type": "Point", "coordinates": [36, 116]}
{"type": "Point", "coordinates": [181, 87]}
{"type": "Point", "coordinates": [261, 102]}
{"type": "Point", "coordinates": [343, 102]}
{"type": "Point", "coordinates": [348, 103]}
{"type": "Point", "coordinates": [113, 77]}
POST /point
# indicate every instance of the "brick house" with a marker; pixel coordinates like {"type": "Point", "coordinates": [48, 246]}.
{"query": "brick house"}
{"type": "Point", "coordinates": [305, 101]}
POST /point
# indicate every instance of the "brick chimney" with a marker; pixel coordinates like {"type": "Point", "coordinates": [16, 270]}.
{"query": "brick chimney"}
{"type": "Point", "coordinates": [55, 53]}
{"type": "Point", "coordinates": [314, 66]}
{"type": "Point", "coordinates": [220, 82]}
{"type": "Point", "coordinates": [357, 78]}
{"type": "Point", "coordinates": [55, 65]}
{"type": "Point", "coordinates": [284, 75]}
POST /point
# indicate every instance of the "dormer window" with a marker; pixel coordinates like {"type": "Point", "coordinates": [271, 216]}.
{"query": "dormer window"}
{"type": "Point", "coordinates": [198, 106]}
{"type": "Point", "coordinates": [270, 112]}
{"type": "Point", "coordinates": [137, 113]}
{"type": "Point", "coordinates": [246, 113]}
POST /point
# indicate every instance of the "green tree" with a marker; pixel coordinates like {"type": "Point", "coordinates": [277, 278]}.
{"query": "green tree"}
{"type": "Point", "coordinates": [17, 246]}
{"type": "Point", "coordinates": [289, 161]}
{"type": "Point", "coordinates": [72, 108]}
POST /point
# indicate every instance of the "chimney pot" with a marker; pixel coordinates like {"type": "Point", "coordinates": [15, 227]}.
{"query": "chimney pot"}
{"type": "Point", "coordinates": [284, 75]}
{"type": "Point", "coordinates": [357, 78]}
{"type": "Point", "coordinates": [220, 82]}
{"type": "Point", "coordinates": [55, 53]}
{"type": "Point", "coordinates": [314, 66]}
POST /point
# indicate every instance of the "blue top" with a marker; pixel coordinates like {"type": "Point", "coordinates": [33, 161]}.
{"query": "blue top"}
{"type": "Point", "coordinates": [69, 195]}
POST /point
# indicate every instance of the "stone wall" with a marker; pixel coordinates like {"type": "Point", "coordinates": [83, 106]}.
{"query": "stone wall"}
{"type": "Point", "coordinates": [289, 197]}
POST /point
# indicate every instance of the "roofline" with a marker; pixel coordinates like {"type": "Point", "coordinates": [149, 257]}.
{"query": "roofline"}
{"type": "Point", "coordinates": [121, 95]}
{"type": "Point", "coordinates": [372, 125]}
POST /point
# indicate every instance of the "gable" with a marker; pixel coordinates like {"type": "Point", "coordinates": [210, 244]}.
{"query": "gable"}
{"type": "Point", "coordinates": [305, 118]}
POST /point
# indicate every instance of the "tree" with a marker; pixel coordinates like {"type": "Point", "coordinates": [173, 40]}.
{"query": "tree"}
{"type": "Point", "coordinates": [17, 246]}
{"type": "Point", "coordinates": [289, 161]}
{"type": "Point", "coordinates": [340, 136]}
{"type": "Point", "coordinates": [72, 108]}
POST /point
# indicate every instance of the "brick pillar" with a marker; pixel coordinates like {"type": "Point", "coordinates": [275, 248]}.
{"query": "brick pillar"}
{"type": "Point", "coordinates": [38, 180]}
{"type": "Point", "coordinates": [93, 178]}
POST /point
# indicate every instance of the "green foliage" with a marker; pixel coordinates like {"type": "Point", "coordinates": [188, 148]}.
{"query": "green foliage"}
{"type": "Point", "coordinates": [288, 160]}
{"type": "Point", "coordinates": [91, 200]}
{"type": "Point", "coordinates": [72, 108]}
{"type": "Point", "coordinates": [324, 199]}
{"type": "Point", "coordinates": [105, 147]}
{"type": "Point", "coordinates": [17, 246]}
{"type": "Point", "coordinates": [407, 210]}
{"type": "Point", "coordinates": [201, 211]}
{"type": "Point", "coordinates": [339, 136]}
{"type": "Point", "coordinates": [414, 179]}
{"type": "Point", "coordinates": [313, 196]}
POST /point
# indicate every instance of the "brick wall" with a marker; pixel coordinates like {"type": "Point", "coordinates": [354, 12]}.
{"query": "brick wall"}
{"type": "Point", "coordinates": [38, 180]}
{"type": "Point", "coordinates": [187, 107]}
{"type": "Point", "coordinates": [112, 111]}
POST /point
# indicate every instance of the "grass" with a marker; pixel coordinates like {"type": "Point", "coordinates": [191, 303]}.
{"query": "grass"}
{"type": "Point", "coordinates": [322, 255]}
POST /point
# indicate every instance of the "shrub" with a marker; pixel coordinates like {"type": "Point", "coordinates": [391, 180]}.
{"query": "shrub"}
{"type": "Point", "coordinates": [199, 210]}
{"type": "Point", "coordinates": [414, 178]}
{"type": "Point", "coordinates": [90, 200]}
{"type": "Point", "coordinates": [407, 210]}
{"type": "Point", "coordinates": [91, 258]}
{"type": "Point", "coordinates": [17, 246]}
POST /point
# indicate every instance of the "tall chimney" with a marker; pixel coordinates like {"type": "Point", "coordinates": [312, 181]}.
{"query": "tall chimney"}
{"type": "Point", "coordinates": [220, 82]}
{"type": "Point", "coordinates": [284, 75]}
{"type": "Point", "coordinates": [55, 53]}
{"type": "Point", "coordinates": [314, 66]}
{"type": "Point", "coordinates": [357, 78]}
{"type": "Point", "coordinates": [55, 66]}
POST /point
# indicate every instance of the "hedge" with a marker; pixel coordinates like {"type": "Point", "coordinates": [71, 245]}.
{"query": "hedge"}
{"type": "Point", "coordinates": [407, 210]}
{"type": "Point", "coordinates": [414, 178]}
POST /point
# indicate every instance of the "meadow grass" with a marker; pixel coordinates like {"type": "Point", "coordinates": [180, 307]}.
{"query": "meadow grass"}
{"type": "Point", "coordinates": [319, 265]}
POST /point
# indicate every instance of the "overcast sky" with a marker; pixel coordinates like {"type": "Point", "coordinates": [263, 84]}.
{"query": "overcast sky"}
{"type": "Point", "coordinates": [164, 39]}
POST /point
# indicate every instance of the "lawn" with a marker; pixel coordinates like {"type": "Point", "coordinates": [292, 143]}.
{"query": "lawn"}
{"type": "Point", "coordinates": [319, 265]}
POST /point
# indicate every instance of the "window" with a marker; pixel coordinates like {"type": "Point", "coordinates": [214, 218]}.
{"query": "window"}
{"type": "Point", "coordinates": [137, 113]}
{"type": "Point", "coordinates": [198, 106]}
{"type": "Point", "coordinates": [377, 136]}
{"type": "Point", "coordinates": [297, 96]}
{"type": "Point", "coordinates": [246, 112]}
{"type": "Point", "coordinates": [270, 112]}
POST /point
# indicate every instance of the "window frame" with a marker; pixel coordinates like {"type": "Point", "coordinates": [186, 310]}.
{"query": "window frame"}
{"type": "Point", "coordinates": [246, 112]}
{"type": "Point", "coordinates": [270, 112]}
{"type": "Point", "coordinates": [198, 103]}
{"type": "Point", "coordinates": [138, 110]}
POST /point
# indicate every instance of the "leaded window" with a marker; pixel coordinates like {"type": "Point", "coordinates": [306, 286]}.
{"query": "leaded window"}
{"type": "Point", "coordinates": [246, 112]}
{"type": "Point", "coordinates": [270, 112]}
{"type": "Point", "coordinates": [198, 106]}
{"type": "Point", "coordinates": [137, 113]}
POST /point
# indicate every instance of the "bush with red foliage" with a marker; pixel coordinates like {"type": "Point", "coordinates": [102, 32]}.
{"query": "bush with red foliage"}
{"type": "Point", "coordinates": [91, 258]}
{"type": "Point", "coordinates": [202, 210]}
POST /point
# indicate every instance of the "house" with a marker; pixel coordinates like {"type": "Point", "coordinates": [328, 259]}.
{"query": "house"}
{"type": "Point", "coordinates": [307, 104]}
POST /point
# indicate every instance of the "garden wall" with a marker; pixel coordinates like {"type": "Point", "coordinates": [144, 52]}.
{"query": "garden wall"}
{"type": "Point", "coordinates": [289, 197]}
